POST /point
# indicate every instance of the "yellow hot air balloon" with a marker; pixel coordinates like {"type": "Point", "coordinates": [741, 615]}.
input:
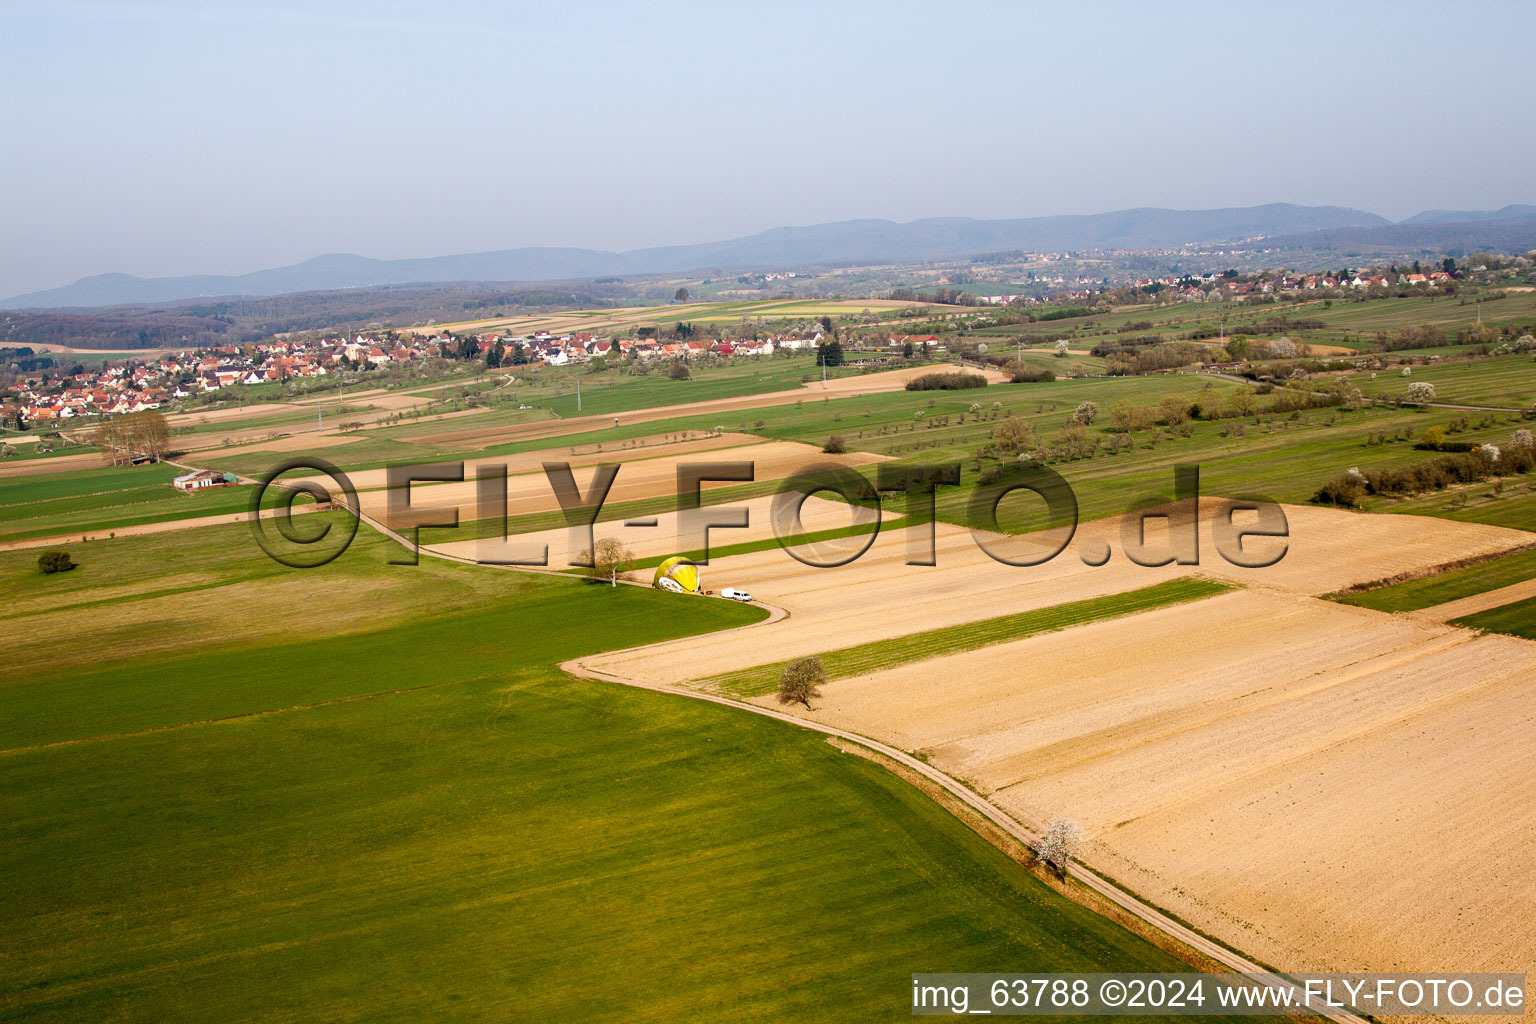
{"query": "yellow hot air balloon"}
{"type": "Point", "coordinates": [678, 575]}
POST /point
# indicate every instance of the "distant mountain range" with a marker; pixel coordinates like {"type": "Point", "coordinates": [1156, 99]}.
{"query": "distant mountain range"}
{"type": "Point", "coordinates": [1519, 211]}
{"type": "Point", "coordinates": [846, 242]}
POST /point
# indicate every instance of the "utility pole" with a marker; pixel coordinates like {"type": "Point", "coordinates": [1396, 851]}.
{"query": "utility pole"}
{"type": "Point", "coordinates": [578, 394]}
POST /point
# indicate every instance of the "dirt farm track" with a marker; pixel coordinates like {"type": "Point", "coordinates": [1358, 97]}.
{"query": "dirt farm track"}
{"type": "Point", "coordinates": [1286, 751]}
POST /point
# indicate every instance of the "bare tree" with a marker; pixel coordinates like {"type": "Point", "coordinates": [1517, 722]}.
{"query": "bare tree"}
{"type": "Point", "coordinates": [800, 679]}
{"type": "Point", "coordinates": [138, 433]}
{"type": "Point", "coordinates": [1060, 843]}
{"type": "Point", "coordinates": [152, 433]}
{"type": "Point", "coordinates": [608, 560]}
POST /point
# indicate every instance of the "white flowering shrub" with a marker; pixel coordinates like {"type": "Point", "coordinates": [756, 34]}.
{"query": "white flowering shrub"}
{"type": "Point", "coordinates": [1060, 843]}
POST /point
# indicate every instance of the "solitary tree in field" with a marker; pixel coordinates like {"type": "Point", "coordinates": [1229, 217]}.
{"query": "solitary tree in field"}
{"type": "Point", "coordinates": [1014, 434]}
{"type": "Point", "coordinates": [608, 560]}
{"type": "Point", "coordinates": [1085, 413]}
{"type": "Point", "coordinates": [800, 680]}
{"type": "Point", "coordinates": [681, 295]}
{"type": "Point", "coordinates": [50, 562]}
{"type": "Point", "coordinates": [1061, 348]}
{"type": "Point", "coordinates": [1060, 843]}
{"type": "Point", "coordinates": [1421, 391]}
{"type": "Point", "coordinates": [1174, 410]}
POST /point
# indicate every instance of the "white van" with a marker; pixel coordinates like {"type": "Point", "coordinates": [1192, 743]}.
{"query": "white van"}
{"type": "Point", "coordinates": [731, 594]}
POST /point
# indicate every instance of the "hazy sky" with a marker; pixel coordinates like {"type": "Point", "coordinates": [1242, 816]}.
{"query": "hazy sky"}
{"type": "Point", "coordinates": [174, 138]}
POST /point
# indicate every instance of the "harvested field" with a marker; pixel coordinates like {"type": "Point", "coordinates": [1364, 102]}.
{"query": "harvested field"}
{"type": "Point", "coordinates": [880, 596]}
{"type": "Point", "coordinates": [237, 412]}
{"type": "Point", "coordinates": [292, 443]}
{"type": "Point", "coordinates": [664, 538]}
{"type": "Point", "coordinates": [1252, 784]}
{"type": "Point", "coordinates": [57, 464]}
{"type": "Point", "coordinates": [1480, 602]}
{"type": "Point", "coordinates": [1331, 550]}
{"type": "Point", "coordinates": [582, 455]}
{"type": "Point", "coordinates": [621, 317]}
{"type": "Point", "coordinates": [842, 387]}
{"type": "Point", "coordinates": [260, 438]}
{"type": "Point", "coordinates": [1236, 785]}
{"type": "Point", "coordinates": [643, 478]}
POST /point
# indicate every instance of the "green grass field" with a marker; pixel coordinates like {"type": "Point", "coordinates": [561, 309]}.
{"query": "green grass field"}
{"type": "Point", "coordinates": [613, 391]}
{"type": "Point", "coordinates": [1448, 586]}
{"type": "Point", "coordinates": [1516, 619]}
{"type": "Point", "coordinates": [334, 821]}
{"type": "Point", "coordinates": [882, 654]}
{"type": "Point", "coordinates": [1507, 382]}
{"type": "Point", "coordinates": [105, 499]}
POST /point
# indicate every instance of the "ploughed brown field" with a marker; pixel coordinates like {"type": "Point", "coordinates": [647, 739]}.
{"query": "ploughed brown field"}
{"type": "Point", "coordinates": [642, 475]}
{"type": "Point", "coordinates": [667, 537]}
{"type": "Point", "coordinates": [1324, 787]}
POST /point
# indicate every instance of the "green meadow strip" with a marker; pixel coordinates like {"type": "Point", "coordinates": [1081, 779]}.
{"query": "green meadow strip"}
{"type": "Point", "coordinates": [1516, 619]}
{"type": "Point", "coordinates": [1452, 585]}
{"type": "Point", "coordinates": [933, 643]}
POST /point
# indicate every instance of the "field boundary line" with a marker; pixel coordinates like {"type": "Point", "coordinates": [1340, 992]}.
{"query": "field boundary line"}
{"type": "Point", "coordinates": [1415, 575]}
